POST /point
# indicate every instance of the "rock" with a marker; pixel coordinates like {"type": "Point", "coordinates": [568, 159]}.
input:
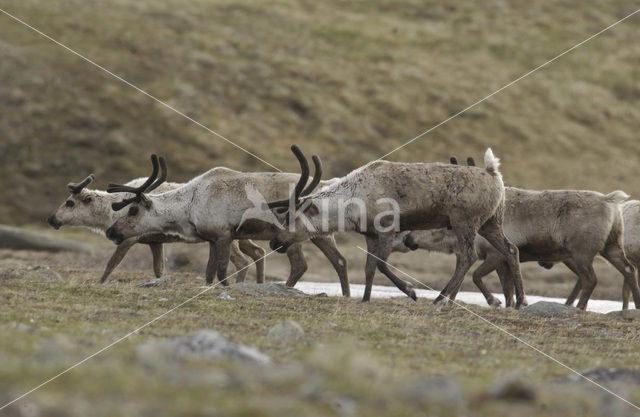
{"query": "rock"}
{"type": "Point", "coordinates": [269, 289]}
{"type": "Point", "coordinates": [512, 388]}
{"type": "Point", "coordinates": [629, 315]}
{"type": "Point", "coordinates": [6, 273]}
{"type": "Point", "coordinates": [50, 274]}
{"type": "Point", "coordinates": [550, 309]}
{"type": "Point", "coordinates": [204, 344]}
{"type": "Point", "coordinates": [15, 238]}
{"type": "Point", "coordinates": [285, 332]}
{"type": "Point", "coordinates": [155, 282]}
{"type": "Point", "coordinates": [21, 327]}
{"type": "Point", "coordinates": [225, 296]}
{"type": "Point", "coordinates": [437, 390]}
{"type": "Point", "coordinates": [604, 375]}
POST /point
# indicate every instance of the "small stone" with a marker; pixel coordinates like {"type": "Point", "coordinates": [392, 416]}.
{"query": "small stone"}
{"type": "Point", "coordinates": [163, 300]}
{"type": "Point", "coordinates": [550, 309]}
{"type": "Point", "coordinates": [287, 331]}
{"type": "Point", "coordinates": [155, 282]}
{"type": "Point", "coordinates": [225, 296]}
{"type": "Point", "coordinates": [50, 274]}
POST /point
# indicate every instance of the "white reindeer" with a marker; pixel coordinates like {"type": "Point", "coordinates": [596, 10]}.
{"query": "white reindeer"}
{"type": "Point", "coordinates": [210, 207]}
{"type": "Point", "coordinates": [92, 209]}
{"type": "Point", "coordinates": [418, 196]}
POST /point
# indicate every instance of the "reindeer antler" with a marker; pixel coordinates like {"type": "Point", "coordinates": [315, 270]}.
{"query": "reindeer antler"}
{"type": "Point", "coordinates": [283, 205]}
{"type": "Point", "coordinates": [150, 184]}
{"type": "Point", "coordinates": [76, 187]}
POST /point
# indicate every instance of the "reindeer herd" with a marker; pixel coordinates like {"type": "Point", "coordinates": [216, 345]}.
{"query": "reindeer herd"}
{"type": "Point", "coordinates": [450, 208]}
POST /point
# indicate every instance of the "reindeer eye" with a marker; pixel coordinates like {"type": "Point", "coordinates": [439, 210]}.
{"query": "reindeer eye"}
{"type": "Point", "coordinates": [133, 210]}
{"type": "Point", "coordinates": [87, 199]}
{"type": "Point", "coordinates": [69, 203]}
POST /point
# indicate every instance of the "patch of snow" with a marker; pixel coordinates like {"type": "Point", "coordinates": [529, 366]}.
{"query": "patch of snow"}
{"type": "Point", "coordinates": [382, 291]}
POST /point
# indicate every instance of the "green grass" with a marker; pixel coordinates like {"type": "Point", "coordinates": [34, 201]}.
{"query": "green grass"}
{"type": "Point", "coordinates": [347, 80]}
{"type": "Point", "coordinates": [362, 352]}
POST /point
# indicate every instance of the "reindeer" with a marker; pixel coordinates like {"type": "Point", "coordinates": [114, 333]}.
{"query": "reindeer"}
{"type": "Point", "coordinates": [210, 207]}
{"type": "Point", "coordinates": [631, 244]}
{"type": "Point", "coordinates": [417, 196]}
{"type": "Point", "coordinates": [550, 226]}
{"type": "Point", "coordinates": [92, 209]}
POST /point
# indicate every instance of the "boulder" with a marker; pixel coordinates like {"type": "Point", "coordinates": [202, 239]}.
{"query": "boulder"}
{"type": "Point", "coordinates": [204, 344]}
{"type": "Point", "coordinates": [18, 239]}
{"type": "Point", "coordinates": [285, 332]}
{"type": "Point", "coordinates": [550, 309]}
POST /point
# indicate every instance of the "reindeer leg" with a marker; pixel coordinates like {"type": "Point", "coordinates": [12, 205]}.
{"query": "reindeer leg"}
{"type": "Point", "coordinates": [157, 252]}
{"type": "Point", "coordinates": [385, 242]}
{"type": "Point", "coordinates": [467, 256]}
{"type": "Point", "coordinates": [239, 261]}
{"type": "Point", "coordinates": [492, 231]}
{"type": "Point", "coordinates": [616, 256]}
{"type": "Point", "coordinates": [223, 252]}
{"type": "Point", "coordinates": [578, 287]}
{"type": "Point", "coordinates": [298, 264]}
{"type": "Point", "coordinates": [212, 264]}
{"type": "Point", "coordinates": [256, 253]}
{"type": "Point", "coordinates": [584, 267]}
{"type": "Point", "coordinates": [490, 264]}
{"type": "Point", "coordinates": [370, 266]}
{"type": "Point", "coordinates": [117, 256]}
{"type": "Point", "coordinates": [327, 244]}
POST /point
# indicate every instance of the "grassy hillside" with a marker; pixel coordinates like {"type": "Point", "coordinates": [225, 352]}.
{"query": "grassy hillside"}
{"type": "Point", "coordinates": [348, 80]}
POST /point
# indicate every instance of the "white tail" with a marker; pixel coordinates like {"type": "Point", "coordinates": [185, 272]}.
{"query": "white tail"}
{"type": "Point", "coordinates": [616, 197]}
{"type": "Point", "coordinates": [491, 163]}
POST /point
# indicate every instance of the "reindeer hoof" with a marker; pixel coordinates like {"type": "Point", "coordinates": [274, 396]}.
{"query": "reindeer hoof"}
{"type": "Point", "coordinates": [494, 302]}
{"type": "Point", "coordinates": [413, 295]}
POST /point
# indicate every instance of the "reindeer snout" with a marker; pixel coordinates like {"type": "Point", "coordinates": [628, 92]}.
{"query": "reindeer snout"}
{"type": "Point", "coordinates": [408, 242]}
{"type": "Point", "coordinates": [114, 236]}
{"type": "Point", "coordinates": [53, 222]}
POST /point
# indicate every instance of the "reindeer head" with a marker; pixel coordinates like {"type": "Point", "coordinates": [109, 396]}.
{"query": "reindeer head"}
{"type": "Point", "coordinates": [79, 209]}
{"type": "Point", "coordinates": [137, 220]}
{"type": "Point", "coordinates": [300, 202]}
